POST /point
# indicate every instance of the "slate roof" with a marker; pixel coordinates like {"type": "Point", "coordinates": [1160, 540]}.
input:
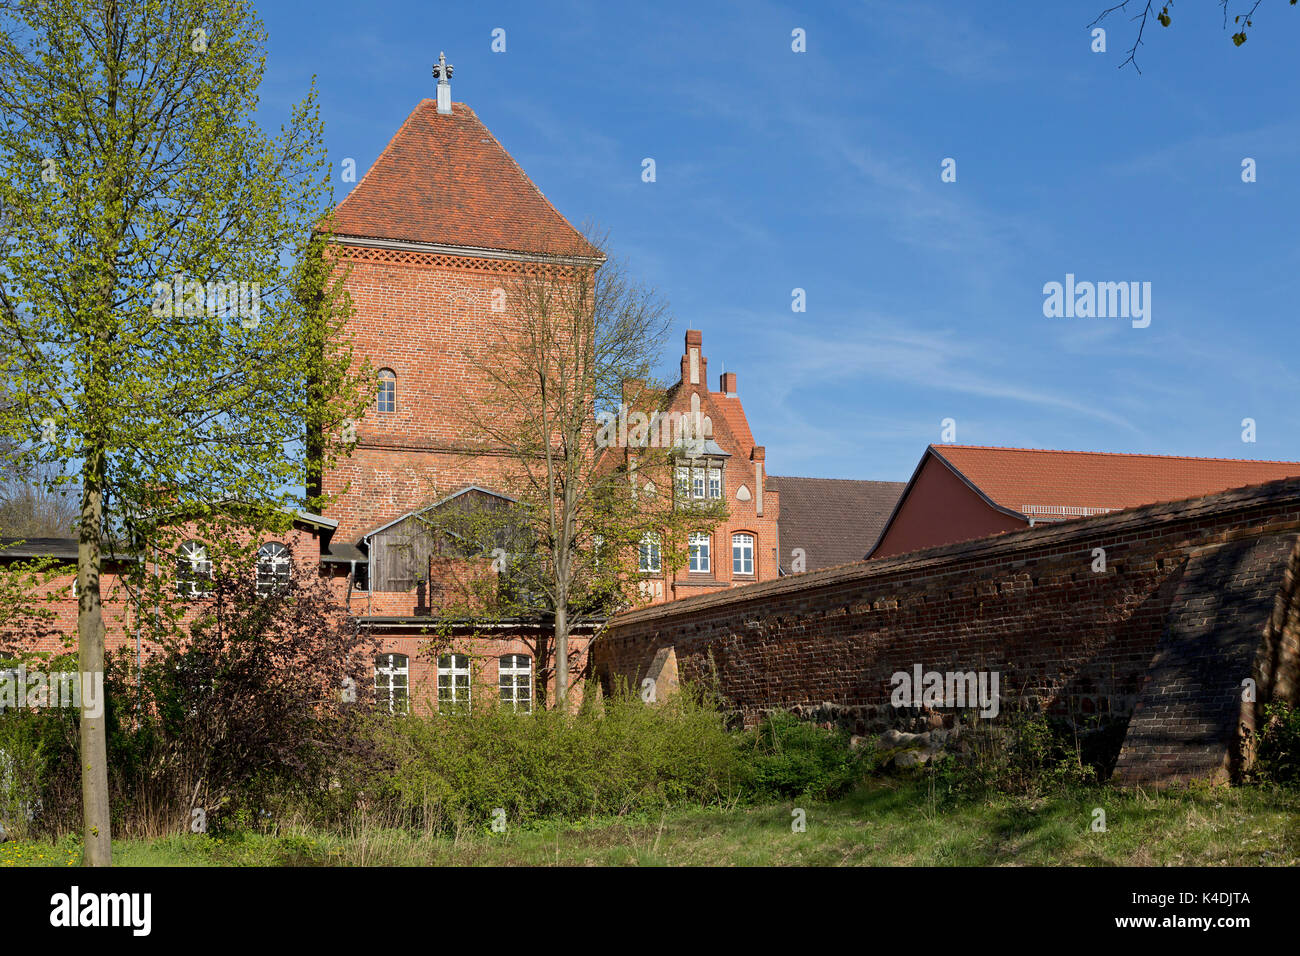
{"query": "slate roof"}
{"type": "Point", "coordinates": [834, 520]}
{"type": "Point", "coordinates": [445, 179]}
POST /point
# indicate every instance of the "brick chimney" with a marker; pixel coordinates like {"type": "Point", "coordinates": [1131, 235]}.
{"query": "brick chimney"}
{"type": "Point", "coordinates": [727, 383]}
{"type": "Point", "coordinates": [694, 365]}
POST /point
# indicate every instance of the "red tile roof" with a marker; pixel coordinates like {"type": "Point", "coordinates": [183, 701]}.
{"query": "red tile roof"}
{"type": "Point", "coordinates": [445, 179]}
{"type": "Point", "coordinates": [1020, 478]}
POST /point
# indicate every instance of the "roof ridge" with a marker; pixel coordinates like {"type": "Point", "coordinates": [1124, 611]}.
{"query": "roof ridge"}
{"type": "Point", "coordinates": [1115, 454]}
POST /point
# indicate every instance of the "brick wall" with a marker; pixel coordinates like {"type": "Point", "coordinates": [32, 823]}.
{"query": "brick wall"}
{"type": "Point", "coordinates": [1027, 604]}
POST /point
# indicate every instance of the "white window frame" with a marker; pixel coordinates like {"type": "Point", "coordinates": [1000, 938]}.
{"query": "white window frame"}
{"type": "Point", "coordinates": [742, 542]}
{"type": "Point", "coordinates": [649, 556]}
{"type": "Point", "coordinates": [683, 481]}
{"type": "Point", "coordinates": [513, 677]}
{"type": "Point", "coordinates": [388, 688]}
{"type": "Point", "coordinates": [715, 483]}
{"type": "Point", "coordinates": [454, 667]}
{"type": "Point", "coordinates": [273, 568]}
{"type": "Point", "coordinates": [698, 482]}
{"type": "Point", "coordinates": [699, 546]}
{"type": "Point", "coordinates": [193, 569]}
{"type": "Point", "coordinates": [387, 390]}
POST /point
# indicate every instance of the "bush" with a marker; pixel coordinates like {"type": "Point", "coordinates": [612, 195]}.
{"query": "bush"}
{"type": "Point", "coordinates": [1025, 754]}
{"type": "Point", "coordinates": [446, 771]}
{"type": "Point", "coordinates": [789, 757]}
{"type": "Point", "coordinates": [1278, 756]}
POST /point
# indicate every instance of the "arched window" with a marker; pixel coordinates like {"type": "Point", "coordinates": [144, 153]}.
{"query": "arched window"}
{"type": "Point", "coordinates": [387, 390]}
{"type": "Point", "coordinates": [742, 554]}
{"type": "Point", "coordinates": [272, 567]}
{"type": "Point", "coordinates": [453, 680]}
{"type": "Point", "coordinates": [193, 569]}
{"type": "Point", "coordinates": [516, 679]}
{"type": "Point", "coordinates": [393, 683]}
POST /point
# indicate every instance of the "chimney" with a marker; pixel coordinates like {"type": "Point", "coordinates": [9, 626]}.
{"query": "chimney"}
{"type": "Point", "coordinates": [693, 361]}
{"type": "Point", "coordinates": [442, 73]}
{"type": "Point", "coordinates": [728, 384]}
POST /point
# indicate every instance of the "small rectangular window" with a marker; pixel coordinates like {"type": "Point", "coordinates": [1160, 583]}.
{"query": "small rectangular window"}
{"type": "Point", "coordinates": [453, 681]}
{"type": "Point", "coordinates": [699, 552]}
{"type": "Point", "coordinates": [742, 554]}
{"type": "Point", "coordinates": [393, 683]}
{"type": "Point", "coordinates": [697, 476]}
{"type": "Point", "coordinates": [715, 483]}
{"type": "Point", "coordinates": [516, 681]}
{"type": "Point", "coordinates": [648, 559]}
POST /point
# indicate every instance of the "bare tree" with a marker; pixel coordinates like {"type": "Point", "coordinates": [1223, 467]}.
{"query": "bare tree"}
{"type": "Point", "coordinates": [1241, 21]}
{"type": "Point", "coordinates": [574, 335]}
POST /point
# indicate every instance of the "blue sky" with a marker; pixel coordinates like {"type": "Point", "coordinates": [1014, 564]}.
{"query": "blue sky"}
{"type": "Point", "coordinates": [821, 170]}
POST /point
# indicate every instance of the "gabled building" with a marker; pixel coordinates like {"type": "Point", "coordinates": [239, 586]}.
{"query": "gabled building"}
{"type": "Point", "coordinates": [721, 464]}
{"type": "Point", "coordinates": [961, 492]}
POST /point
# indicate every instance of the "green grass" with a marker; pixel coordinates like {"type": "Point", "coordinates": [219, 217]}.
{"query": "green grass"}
{"type": "Point", "coordinates": [883, 823]}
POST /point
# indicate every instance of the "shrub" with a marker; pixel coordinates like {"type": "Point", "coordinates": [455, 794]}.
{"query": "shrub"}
{"type": "Point", "coordinates": [446, 771]}
{"type": "Point", "coordinates": [1278, 756]}
{"type": "Point", "coordinates": [789, 757]}
{"type": "Point", "coordinates": [1025, 754]}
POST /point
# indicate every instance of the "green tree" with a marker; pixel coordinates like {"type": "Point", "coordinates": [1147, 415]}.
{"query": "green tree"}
{"type": "Point", "coordinates": [154, 279]}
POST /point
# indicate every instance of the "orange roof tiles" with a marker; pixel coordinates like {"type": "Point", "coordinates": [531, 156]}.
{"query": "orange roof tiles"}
{"type": "Point", "coordinates": [1016, 478]}
{"type": "Point", "coordinates": [445, 179]}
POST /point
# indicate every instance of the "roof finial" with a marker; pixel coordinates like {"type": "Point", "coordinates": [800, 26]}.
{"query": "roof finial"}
{"type": "Point", "coordinates": [442, 71]}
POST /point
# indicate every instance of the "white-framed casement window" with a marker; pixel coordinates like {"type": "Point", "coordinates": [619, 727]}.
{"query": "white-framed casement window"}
{"type": "Point", "coordinates": [516, 680]}
{"type": "Point", "coordinates": [193, 569]}
{"type": "Point", "coordinates": [272, 568]}
{"type": "Point", "coordinates": [387, 397]}
{"type": "Point", "coordinates": [683, 476]}
{"type": "Point", "coordinates": [697, 482]}
{"type": "Point", "coordinates": [453, 680]}
{"type": "Point", "coordinates": [649, 559]}
{"type": "Point", "coordinates": [742, 554]}
{"type": "Point", "coordinates": [699, 552]}
{"type": "Point", "coordinates": [715, 483]}
{"type": "Point", "coordinates": [393, 683]}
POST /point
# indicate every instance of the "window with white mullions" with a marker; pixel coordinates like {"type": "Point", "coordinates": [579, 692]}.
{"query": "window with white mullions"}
{"type": "Point", "coordinates": [699, 552]}
{"type": "Point", "coordinates": [272, 568]}
{"type": "Point", "coordinates": [742, 554]}
{"type": "Point", "coordinates": [393, 683]}
{"type": "Point", "coordinates": [387, 398]}
{"type": "Point", "coordinates": [648, 558]}
{"type": "Point", "coordinates": [193, 569]}
{"type": "Point", "coordinates": [453, 680]}
{"type": "Point", "coordinates": [516, 680]}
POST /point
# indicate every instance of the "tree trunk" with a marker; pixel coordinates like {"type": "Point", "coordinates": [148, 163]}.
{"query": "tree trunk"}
{"type": "Point", "coordinates": [90, 633]}
{"type": "Point", "coordinates": [561, 653]}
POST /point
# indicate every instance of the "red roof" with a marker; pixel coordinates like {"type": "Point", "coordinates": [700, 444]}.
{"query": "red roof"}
{"type": "Point", "coordinates": [1032, 478]}
{"type": "Point", "coordinates": [445, 179]}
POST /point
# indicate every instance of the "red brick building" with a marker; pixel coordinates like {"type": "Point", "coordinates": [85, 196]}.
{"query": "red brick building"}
{"type": "Point", "coordinates": [722, 464]}
{"type": "Point", "coordinates": [961, 492]}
